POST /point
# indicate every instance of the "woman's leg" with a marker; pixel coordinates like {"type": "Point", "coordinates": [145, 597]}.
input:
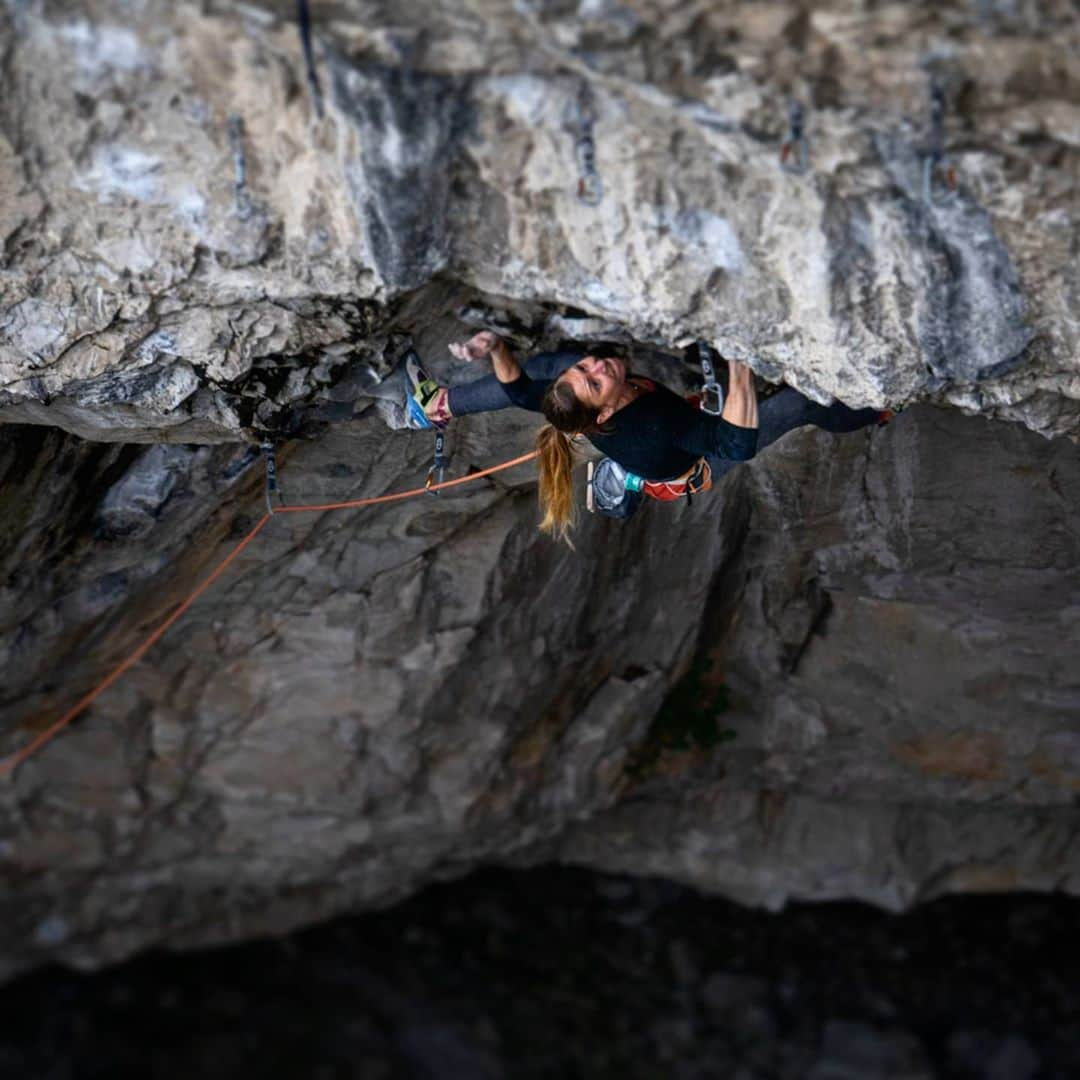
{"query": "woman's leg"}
{"type": "Point", "coordinates": [486, 394]}
{"type": "Point", "coordinates": [787, 409]}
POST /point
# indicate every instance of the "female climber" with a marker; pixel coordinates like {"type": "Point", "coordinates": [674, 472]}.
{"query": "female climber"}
{"type": "Point", "coordinates": [654, 441]}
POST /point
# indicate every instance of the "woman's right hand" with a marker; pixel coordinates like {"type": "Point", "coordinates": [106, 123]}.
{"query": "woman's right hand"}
{"type": "Point", "coordinates": [477, 347]}
{"type": "Point", "coordinates": [740, 375]}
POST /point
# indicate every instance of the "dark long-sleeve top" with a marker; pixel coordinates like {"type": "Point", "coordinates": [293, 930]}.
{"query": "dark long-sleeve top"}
{"type": "Point", "coordinates": [658, 435]}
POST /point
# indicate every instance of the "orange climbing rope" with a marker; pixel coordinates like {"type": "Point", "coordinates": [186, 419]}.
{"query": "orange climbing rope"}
{"type": "Point", "coordinates": [11, 763]}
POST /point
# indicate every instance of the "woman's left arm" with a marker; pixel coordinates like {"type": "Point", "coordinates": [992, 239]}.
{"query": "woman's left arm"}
{"type": "Point", "coordinates": [507, 368]}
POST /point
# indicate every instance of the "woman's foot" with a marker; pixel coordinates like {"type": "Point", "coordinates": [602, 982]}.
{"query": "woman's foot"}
{"type": "Point", "coordinates": [425, 400]}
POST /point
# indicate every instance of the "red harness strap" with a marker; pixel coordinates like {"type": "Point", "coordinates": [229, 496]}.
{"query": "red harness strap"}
{"type": "Point", "coordinates": [697, 479]}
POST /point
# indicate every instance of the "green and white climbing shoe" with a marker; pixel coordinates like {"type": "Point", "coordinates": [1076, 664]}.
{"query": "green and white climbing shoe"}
{"type": "Point", "coordinates": [425, 399]}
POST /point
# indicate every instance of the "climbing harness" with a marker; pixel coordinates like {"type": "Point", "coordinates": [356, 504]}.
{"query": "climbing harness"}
{"type": "Point", "coordinates": [10, 764]}
{"type": "Point", "coordinates": [439, 461]}
{"type": "Point", "coordinates": [267, 448]}
{"type": "Point", "coordinates": [616, 492]}
{"type": "Point", "coordinates": [934, 159]}
{"type": "Point", "coordinates": [696, 479]}
{"type": "Point", "coordinates": [303, 16]}
{"type": "Point", "coordinates": [712, 394]}
{"type": "Point", "coordinates": [590, 188]}
{"type": "Point", "coordinates": [794, 153]}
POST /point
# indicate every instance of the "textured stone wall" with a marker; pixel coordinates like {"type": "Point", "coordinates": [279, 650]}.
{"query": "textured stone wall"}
{"type": "Point", "coordinates": [371, 700]}
{"type": "Point", "coordinates": [898, 627]}
{"type": "Point", "coordinates": [189, 249]}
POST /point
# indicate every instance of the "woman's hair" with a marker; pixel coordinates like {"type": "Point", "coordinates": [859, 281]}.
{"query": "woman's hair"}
{"type": "Point", "coordinates": [566, 416]}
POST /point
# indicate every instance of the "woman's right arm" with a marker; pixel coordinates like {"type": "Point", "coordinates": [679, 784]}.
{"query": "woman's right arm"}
{"type": "Point", "coordinates": [740, 408]}
{"type": "Point", "coordinates": [732, 434]}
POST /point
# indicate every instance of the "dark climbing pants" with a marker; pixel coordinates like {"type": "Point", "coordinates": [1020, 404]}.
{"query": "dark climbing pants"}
{"type": "Point", "coordinates": [787, 410]}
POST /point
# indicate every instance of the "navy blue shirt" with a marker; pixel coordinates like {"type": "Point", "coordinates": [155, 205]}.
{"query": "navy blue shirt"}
{"type": "Point", "coordinates": [659, 435]}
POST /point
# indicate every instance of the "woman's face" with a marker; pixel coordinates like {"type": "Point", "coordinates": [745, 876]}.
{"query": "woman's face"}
{"type": "Point", "coordinates": [598, 382]}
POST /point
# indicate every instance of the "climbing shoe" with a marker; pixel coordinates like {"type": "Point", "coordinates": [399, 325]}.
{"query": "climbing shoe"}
{"type": "Point", "coordinates": [425, 399]}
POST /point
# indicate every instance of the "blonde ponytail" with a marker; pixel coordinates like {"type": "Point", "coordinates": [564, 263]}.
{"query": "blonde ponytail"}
{"type": "Point", "coordinates": [566, 417]}
{"type": "Point", "coordinates": [556, 463]}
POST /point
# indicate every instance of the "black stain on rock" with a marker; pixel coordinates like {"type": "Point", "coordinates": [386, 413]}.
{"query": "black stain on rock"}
{"type": "Point", "coordinates": [408, 123]}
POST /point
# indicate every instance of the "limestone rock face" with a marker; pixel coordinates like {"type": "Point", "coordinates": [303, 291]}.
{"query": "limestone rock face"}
{"type": "Point", "coordinates": [897, 627]}
{"type": "Point", "coordinates": [192, 247]}
{"type": "Point", "coordinates": [194, 252]}
{"type": "Point", "coordinates": [372, 699]}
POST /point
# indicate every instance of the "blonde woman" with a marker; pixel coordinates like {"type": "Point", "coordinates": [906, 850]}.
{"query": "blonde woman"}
{"type": "Point", "coordinates": [658, 444]}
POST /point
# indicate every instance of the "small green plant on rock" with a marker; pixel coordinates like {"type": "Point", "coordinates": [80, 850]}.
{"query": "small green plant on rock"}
{"type": "Point", "coordinates": [686, 721]}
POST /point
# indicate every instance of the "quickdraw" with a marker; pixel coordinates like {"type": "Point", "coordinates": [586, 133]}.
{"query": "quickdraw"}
{"type": "Point", "coordinates": [236, 143]}
{"type": "Point", "coordinates": [712, 394]}
{"type": "Point", "coordinates": [243, 201]}
{"type": "Point", "coordinates": [590, 188]}
{"type": "Point", "coordinates": [439, 461]}
{"type": "Point", "coordinates": [272, 489]}
{"type": "Point", "coordinates": [934, 158]}
{"type": "Point", "coordinates": [794, 152]}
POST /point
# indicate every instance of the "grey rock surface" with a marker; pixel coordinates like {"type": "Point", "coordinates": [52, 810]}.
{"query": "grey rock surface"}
{"type": "Point", "coordinates": [370, 700]}
{"type": "Point", "coordinates": [898, 630]}
{"type": "Point", "coordinates": [191, 250]}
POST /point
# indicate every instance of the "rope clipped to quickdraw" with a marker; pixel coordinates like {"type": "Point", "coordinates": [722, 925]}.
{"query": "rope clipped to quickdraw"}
{"type": "Point", "coordinates": [934, 159]}
{"type": "Point", "coordinates": [303, 18]}
{"type": "Point", "coordinates": [712, 393]}
{"type": "Point", "coordinates": [10, 764]}
{"type": "Point", "coordinates": [267, 448]}
{"type": "Point", "coordinates": [794, 152]}
{"type": "Point", "coordinates": [439, 461]}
